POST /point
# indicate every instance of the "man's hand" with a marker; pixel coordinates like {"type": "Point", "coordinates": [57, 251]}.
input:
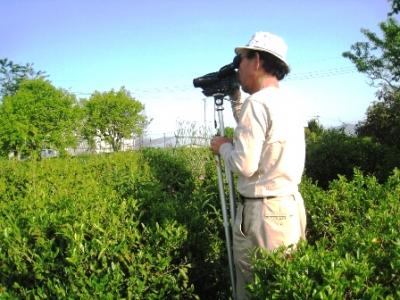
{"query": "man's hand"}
{"type": "Point", "coordinates": [235, 95]}
{"type": "Point", "coordinates": [217, 141]}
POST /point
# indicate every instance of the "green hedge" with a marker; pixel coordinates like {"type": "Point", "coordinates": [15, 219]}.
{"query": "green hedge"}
{"type": "Point", "coordinates": [333, 153]}
{"type": "Point", "coordinates": [187, 192]}
{"type": "Point", "coordinates": [140, 225]}
{"type": "Point", "coordinates": [353, 249]}
{"type": "Point", "coordinates": [147, 225]}
{"type": "Point", "coordinates": [73, 229]}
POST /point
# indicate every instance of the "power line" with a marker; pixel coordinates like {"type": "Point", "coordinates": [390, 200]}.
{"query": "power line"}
{"type": "Point", "coordinates": [322, 73]}
{"type": "Point", "coordinates": [316, 74]}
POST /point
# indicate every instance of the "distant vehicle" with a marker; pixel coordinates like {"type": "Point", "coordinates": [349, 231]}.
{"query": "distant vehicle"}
{"type": "Point", "coordinates": [48, 153]}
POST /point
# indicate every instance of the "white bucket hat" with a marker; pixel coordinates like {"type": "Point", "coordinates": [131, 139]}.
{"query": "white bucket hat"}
{"type": "Point", "coordinates": [268, 42]}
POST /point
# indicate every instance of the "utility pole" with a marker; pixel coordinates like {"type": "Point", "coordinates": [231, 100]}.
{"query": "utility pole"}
{"type": "Point", "coordinates": [204, 114]}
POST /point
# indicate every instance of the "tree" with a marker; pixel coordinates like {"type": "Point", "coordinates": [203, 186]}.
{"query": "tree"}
{"type": "Point", "coordinates": [395, 7]}
{"type": "Point", "coordinates": [313, 130]}
{"type": "Point", "coordinates": [379, 59]}
{"type": "Point", "coordinates": [36, 117]}
{"type": "Point", "coordinates": [383, 120]}
{"type": "Point", "coordinates": [113, 116]}
{"type": "Point", "coordinates": [11, 75]}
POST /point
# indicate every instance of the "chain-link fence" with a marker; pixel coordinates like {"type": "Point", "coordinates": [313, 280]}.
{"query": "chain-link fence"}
{"type": "Point", "coordinates": [144, 142]}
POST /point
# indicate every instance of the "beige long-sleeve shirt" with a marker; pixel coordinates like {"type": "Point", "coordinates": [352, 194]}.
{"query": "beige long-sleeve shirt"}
{"type": "Point", "coordinates": [268, 149]}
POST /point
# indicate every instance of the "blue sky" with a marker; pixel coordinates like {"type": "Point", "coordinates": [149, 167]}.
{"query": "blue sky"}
{"type": "Point", "coordinates": [155, 48]}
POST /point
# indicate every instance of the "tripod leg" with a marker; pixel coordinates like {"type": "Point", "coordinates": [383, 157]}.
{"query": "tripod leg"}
{"type": "Point", "coordinates": [229, 178]}
{"type": "Point", "coordinates": [226, 226]}
{"type": "Point", "coordinates": [219, 108]}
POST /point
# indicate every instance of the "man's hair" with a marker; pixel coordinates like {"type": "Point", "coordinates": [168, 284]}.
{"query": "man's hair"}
{"type": "Point", "coordinates": [271, 64]}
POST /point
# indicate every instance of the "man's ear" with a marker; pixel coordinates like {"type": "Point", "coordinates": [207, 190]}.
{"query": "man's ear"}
{"type": "Point", "coordinates": [257, 61]}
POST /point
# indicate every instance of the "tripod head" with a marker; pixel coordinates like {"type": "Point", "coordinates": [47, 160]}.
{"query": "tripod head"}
{"type": "Point", "coordinates": [219, 100]}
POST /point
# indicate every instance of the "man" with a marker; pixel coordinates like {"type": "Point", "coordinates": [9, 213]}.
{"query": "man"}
{"type": "Point", "coordinates": [268, 152]}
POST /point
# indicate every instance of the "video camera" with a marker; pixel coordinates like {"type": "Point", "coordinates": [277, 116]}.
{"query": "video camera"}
{"type": "Point", "coordinates": [222, 82]}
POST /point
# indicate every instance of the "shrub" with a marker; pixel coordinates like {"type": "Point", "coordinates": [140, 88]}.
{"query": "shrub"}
{"type": "Point", "coordinates": [353, 250]}
{"type": "Point", "coordinates": [148, 225]}
{"type": "Point", "coordinates": [334, 153]}
{"type": "Point", "coordinates": [72, 229]}
{"type": "Point", "coordinates": [187, 192]}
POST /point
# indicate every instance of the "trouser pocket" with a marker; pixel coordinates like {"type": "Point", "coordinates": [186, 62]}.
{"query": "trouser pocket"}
{"type": "Point", "coordinates": [238, 225]}
{"type": "Point", "coordinates": [281, 222]}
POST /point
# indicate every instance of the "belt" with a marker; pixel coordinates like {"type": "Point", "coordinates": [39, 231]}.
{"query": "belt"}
{"type": "Point", "coordinates": [243, 198]}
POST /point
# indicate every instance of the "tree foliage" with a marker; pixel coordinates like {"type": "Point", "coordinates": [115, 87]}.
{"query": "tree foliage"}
{"type": "Point", "coordinates": [395, 7]}
{"type": "Point", "coordinates": [313, 130]}
{"type": "Point", "coordinates": [379, 59]}
{"type": "Point", "coordinates": [37, 116]}
{"type": "Point", "coordinates": [12, 74]}
{"type": "Point", "coordinates": [383, 120]}
{"type": "Point", "coordinates": [112, 116]}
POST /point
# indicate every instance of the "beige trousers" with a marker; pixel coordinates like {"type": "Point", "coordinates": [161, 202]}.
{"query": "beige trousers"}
{"type": "Point", "coordinates": [266, 223]}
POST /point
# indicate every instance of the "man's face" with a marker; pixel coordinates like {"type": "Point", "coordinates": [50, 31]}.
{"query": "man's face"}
{"type": "Point", "coordinates": [246, 72]}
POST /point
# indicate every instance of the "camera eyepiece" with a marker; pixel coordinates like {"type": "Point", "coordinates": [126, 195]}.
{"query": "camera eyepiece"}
{"type": "Point", "coordinates": [230, 68]}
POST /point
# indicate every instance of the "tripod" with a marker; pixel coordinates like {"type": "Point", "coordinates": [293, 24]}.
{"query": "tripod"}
{"type": "Point", "coordinates": [218, 103]}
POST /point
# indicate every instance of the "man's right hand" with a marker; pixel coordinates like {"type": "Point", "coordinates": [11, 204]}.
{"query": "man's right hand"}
{"type": "Point", "coordinates": [217, 141]}
{"type": "Point", "coordinates": [234, 95]}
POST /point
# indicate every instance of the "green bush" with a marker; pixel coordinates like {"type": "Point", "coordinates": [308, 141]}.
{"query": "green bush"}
{"type": "Point", "coordinates": [187, 192]}
{"type": "Point", "coordinates": [73, 229]}
{"type": "Point", "coordinates": [332, 153]}
{"type": "Point", "coordinates": [148, 225]}
{"type": "Point", "coordinates": [353, 250]}
{"type": "Point", "coordinates": [102, 220]}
